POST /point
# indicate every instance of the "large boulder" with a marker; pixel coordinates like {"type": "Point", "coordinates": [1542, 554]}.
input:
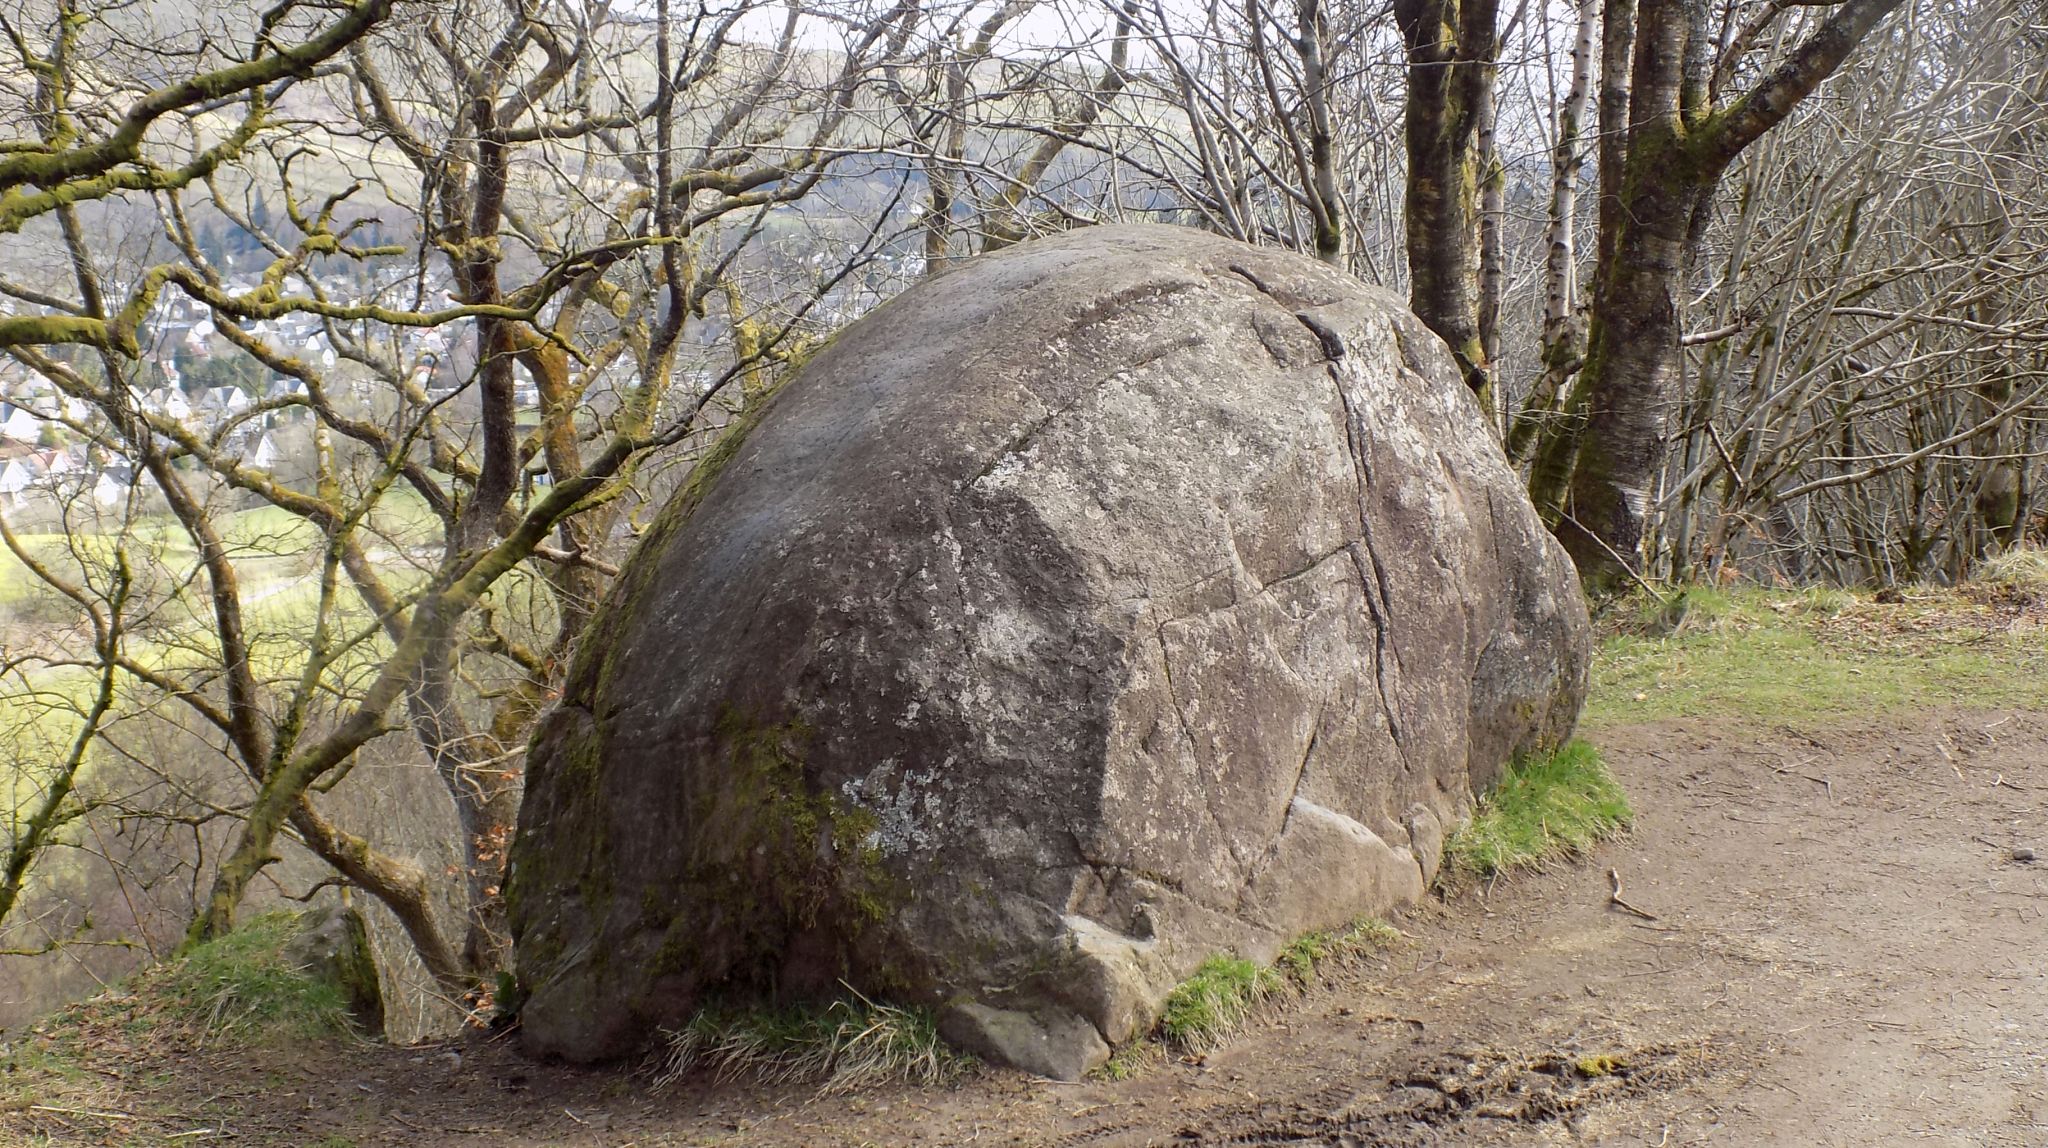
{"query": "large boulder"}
{"type": "Point", "coordinates": [1112, 602]}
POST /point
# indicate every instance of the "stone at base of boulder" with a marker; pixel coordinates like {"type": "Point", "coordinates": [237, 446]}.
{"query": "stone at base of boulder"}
{"type": "Point", "coordinates": [1062, 1046]}
{"type": "Point", "coordinates": [333, 945]}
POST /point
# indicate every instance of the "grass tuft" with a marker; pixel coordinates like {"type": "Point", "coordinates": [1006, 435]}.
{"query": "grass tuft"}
{"type": "Point", "coordinates": [848, 1044]}
{"type": "Point", "coordinates": [2023, 568]}
{"type": "Point", "coordinates": [1223, 993]}
{"type": "Point", "coordinates": [1214, 1002]}
{"type": "Point", "coordinates": [1130, 1060]}
{"type": "Point", "coordinates": [1306, 956]}
{"type": "Point", "coordinates": [1542, 809]}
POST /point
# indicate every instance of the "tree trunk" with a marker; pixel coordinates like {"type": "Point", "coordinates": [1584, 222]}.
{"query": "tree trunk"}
{"type": "Point", "coordinates": [1563, 336]}
{"type": "Point", "coordinates": [1625, 389]}
{"type": "Point", "coordinates": [1594, 473]}
{"type": "Point", "coordinates": [1452, 47]}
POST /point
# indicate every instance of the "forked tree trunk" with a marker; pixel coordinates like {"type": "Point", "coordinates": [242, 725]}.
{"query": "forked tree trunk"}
{"type": "Point", "coordinates": [1595, 471]}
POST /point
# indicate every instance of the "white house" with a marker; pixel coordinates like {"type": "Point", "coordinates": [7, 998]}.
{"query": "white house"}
{"type": "Point", "coordinates": [20, 424]}
{"type": "Point", "coordinates": [167, 401]}
{"type": "Point", "coordinates": [228, 400]}
{"type": "Point", "coordinates": [16, 476]}
{"type": "Point", "coordinates": [265, 454]}
{"type": "Point", "coordinates": [51, 462]}
{"type": "Point", "coordinates": [112, 484]}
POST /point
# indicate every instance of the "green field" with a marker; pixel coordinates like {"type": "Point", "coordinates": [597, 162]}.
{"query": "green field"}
{"type": "Point", "coordinates": [169, 623]}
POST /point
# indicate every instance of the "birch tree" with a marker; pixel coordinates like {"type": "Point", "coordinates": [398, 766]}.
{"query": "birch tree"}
{"type": "Point", "coordinates": [1671, 125]}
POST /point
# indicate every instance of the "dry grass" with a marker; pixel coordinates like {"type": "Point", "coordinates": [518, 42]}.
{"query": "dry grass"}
{"type": "Point", "coordinates": [2022, 569]}
{"type": "Point", "coordinates": [846, 1044]}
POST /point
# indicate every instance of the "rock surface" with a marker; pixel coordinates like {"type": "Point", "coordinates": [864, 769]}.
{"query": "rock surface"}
{"type": "Point", "coordinates": [1112, 602]}
{"type": "Point", "coordinates": [333, 945]}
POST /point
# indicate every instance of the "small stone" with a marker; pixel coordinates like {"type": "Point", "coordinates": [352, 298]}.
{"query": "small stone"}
{"type": "Point", "coordinates": [1057, 1045]}
{"type": "Point", "coordinates": [2023, 854]}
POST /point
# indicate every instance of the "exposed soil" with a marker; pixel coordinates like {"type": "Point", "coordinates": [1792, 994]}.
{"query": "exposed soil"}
{"type": "Point", "coordinates": [1844, 952]}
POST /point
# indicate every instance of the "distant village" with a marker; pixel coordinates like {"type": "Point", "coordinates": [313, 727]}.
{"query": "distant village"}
{"type": "Point", "coordinates": [194, 374]}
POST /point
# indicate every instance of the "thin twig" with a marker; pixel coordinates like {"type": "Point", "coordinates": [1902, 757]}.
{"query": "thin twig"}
{"type": "Point", "coordinates": [1614, 898]}
{"type": "Point", "coordinates": [84, 1112]}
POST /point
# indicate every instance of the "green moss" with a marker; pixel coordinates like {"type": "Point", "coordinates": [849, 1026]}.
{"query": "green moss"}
{"type": "Point", "coordinates": [1603, 1064]}
{"type": "Point", "coordinates": [1554, 806]}
{"type": "Point", "coordinates": [508, 996]}
{"type": "Point", "coordinates": [580, 856]}
{"type": "Point", "coordinates": [786, 858]}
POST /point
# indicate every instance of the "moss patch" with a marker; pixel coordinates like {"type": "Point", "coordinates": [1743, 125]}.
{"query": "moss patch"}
{"type": "Point", "coordinates": [579, 856]}
{"type": "Point", "coordinates": [784, 858]}
{"type": "Point", "coordinates": [1542, 809]}
{"type": "Point", "coordinates": [1225, 991]}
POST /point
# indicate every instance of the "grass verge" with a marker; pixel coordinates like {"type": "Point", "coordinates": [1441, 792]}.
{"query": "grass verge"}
{"type": "Point", "coordinates": [848, 1043]}
{"type": "Point", "coordinates": [242, 988]}
{"type": "Point", "coordinates": [237, 992]}
{"type": "Point", "coordinates": [1764, 656]}
{"type": "Point", "coordinates": [1542, 809]}
{"type": "Point", "coordinates": [1223, 993]}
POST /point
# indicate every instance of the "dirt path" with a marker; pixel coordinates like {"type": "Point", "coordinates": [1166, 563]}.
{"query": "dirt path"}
{"type": "Point", "coordinates": [1844, 953]}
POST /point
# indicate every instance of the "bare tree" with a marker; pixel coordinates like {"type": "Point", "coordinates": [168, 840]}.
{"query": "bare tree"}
{"type": "Point", "coordinates": [1669, 133]}
{"type": "Point", "coordinates": [496, 370]}
{"type": "Point", "coordinates": [1866, 394]}
{"type": "Point", "coordinates": [1453, 47]}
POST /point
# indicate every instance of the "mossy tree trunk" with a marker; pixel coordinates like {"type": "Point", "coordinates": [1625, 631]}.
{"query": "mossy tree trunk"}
{"type": "Point", "coordinates": [1452, 49]}
{"type": "Point", "coordinates": [1665, 144]}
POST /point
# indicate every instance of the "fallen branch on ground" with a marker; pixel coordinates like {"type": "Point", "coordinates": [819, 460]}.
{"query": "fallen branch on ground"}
{"type": "Point", "coordinates": [1614, 898]}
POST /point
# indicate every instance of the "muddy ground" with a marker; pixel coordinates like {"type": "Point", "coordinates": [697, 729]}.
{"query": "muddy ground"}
{"type": "Point", "coordinates": [1844, 951]}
